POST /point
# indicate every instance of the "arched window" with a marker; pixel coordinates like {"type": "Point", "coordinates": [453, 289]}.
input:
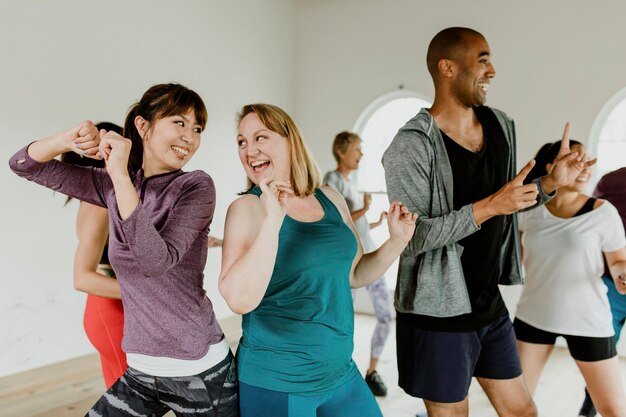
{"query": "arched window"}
{"type": "Point", "coordinates": [377, 125]}
{"type": "Point", "coordinates": [607, 140]}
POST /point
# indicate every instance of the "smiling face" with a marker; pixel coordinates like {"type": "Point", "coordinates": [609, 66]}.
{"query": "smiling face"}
{"type": "Point", "coordinates": [262, 152]}
{"type": "Point", "coordinates": [352, 156]}
{"type": "Point", "coordinates": [169, 143]}
{"type": "Point", "coordinates": [474, 72]}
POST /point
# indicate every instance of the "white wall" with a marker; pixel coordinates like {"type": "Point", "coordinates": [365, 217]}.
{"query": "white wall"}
{"type": "Point", "coordinates": [63, 62]}
{"type": "Point", "coordinates": [556, 61]}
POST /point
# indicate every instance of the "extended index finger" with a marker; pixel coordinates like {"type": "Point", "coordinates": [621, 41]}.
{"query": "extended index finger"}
{"type": "Point", "coordinates": [521, 176]}
{"type": "Point", "coordinates": [565, 140]}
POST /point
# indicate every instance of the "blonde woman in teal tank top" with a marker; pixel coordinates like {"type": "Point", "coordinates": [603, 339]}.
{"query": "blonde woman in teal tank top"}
{"type": "Point", "coordinates": [290, 257]}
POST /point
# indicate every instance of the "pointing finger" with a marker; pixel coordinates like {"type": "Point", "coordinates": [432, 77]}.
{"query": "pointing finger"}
{"type": "Point", "coordinates": [565, 140]}
{"type": "Point", "coordinates": [521, 176]}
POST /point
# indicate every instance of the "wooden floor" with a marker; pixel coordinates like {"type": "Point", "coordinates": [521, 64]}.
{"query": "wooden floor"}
{"type": "Point", "coordinates": [68, 389]}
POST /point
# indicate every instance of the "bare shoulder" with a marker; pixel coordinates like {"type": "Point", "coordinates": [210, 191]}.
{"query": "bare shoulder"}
{"type": "Point", "coordinates": [92, 222]}
{"type": "Point", "coordinates": [333, 194]}
{"type": "Point", "coordinates": [247, 210]}
{"type": "Point", "coordinates": [337, 199]}
{"type": "Point", "coordinates": [92, 213]}
{"type": "Point", "coordinates": [243, 221]}
{"type": "Point", "coordinates": [598, 203]}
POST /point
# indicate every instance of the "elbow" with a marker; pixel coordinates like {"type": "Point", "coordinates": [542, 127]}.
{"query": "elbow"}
{"type": "Point", "coordinates": [80, 283]}
{"type": "Point", "coordinates": [236, 301]}
{"type": "Point", "coordinates": [239, 309]}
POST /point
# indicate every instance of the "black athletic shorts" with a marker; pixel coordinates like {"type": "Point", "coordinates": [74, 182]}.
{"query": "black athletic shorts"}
{"type": "Point", "coordinates": [582, 348]}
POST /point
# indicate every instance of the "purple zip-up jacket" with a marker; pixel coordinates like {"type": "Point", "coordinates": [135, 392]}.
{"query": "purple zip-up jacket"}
{"type": "Point", "coordinates": [158, 253]}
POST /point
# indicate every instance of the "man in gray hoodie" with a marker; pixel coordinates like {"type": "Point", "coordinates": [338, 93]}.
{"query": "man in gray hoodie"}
{"type": "Point", "coordinates": [454, 164]}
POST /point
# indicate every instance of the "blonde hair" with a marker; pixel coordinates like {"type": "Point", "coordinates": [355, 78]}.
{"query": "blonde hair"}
{"type": "Point", "coordinates": [305, 174]}
{"type": "Point", "coordinates": [342, 142]}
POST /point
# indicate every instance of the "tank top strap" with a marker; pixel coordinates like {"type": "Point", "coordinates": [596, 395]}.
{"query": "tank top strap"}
{"type": "Point", "coordinates": [587, 207]}
{"type": "Point", "coordinates": [332, 212]}
{"type": "Point", "coordinates": [256, 190]}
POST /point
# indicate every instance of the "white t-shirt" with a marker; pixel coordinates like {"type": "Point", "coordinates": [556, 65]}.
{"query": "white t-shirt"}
{"type": "Point", "coordinates": [563, 292]}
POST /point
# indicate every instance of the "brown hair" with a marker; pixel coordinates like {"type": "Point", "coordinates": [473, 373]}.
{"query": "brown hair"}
{"type": "Point", "coordinates": [342, 142]}
{"type": "Point", "coordinates": [161, 100]}
{"type": "Point", "coordinates": [305, 174]}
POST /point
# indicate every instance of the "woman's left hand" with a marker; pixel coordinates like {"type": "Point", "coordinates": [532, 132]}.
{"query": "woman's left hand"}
{"type": "Point", "coordinates": [401, 223]}
{"type": "Point", "coordinates": [568, 164]}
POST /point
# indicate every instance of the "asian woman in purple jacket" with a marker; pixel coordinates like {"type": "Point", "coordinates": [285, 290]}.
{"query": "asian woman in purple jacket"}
{"type": "Point", "coordinates": [159, 219]}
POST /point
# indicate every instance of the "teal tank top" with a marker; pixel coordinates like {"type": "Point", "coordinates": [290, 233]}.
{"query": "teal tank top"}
{"type": "Point", "coordinates": [300, 337]}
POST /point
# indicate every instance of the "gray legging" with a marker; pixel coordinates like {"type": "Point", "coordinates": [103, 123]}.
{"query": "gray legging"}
{"type": "Point", "coordinates": [210, 393]}
{"type": "Point", "coordinates": [381, 299]}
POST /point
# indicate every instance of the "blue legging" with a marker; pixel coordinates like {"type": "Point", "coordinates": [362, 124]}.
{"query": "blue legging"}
{"type": "Point", "coordinates": [618, 306]}
{"type": "Point", "coordinates": [617, 302]}
{"type": "Point", "coordinates": [352, 399]}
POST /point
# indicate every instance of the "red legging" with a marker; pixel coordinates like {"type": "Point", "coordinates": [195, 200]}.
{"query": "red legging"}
{"type": "Point", "coordinates": [104, 325]}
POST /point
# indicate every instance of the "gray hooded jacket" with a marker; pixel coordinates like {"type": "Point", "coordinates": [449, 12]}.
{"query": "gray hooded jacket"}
{"type": "Point", "coordinates": [418, 173]}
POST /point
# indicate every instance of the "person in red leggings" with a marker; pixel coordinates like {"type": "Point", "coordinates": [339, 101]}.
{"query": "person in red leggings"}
{"type": "Point", "coordinates": [104, 314]}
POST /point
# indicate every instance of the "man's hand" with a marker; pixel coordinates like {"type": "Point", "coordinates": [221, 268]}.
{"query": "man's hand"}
{"type": "Point", "coordinates": [514, 196]}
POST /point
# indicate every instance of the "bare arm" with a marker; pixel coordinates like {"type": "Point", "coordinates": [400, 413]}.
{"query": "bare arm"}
{"type": "Point", "coordinates": [92, 230]}
{"type": "Point", "coordinates": [250, 247]}
{"type": "Point", "coordinates": [374, 225]}
{"type": "Point", "coordinates": [367, 268]}
{"type": "Point", "coordinates": [357, 214]}
{"type": "Point", "coordinates": [617, 265]}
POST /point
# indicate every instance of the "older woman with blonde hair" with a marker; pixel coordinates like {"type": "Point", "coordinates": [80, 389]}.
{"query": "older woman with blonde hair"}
{"type": "Point", "coordinates": [347, 152]}
{"type": "Point", "coordinates": [289, 258]}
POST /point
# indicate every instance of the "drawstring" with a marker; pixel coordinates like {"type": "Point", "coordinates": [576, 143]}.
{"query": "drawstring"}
{"type": "Point", "coordinates": [156, 389]}
{"type": "Point", "coordinates": [219, 393]}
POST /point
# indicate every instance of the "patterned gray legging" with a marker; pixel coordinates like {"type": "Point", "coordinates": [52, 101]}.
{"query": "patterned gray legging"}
{"type": "Point", "coordinates": [381, 299]}
{"type": "Point", "coordinates": [211, 393]}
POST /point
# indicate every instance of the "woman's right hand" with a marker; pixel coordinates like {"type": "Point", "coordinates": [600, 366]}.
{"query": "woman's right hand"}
{"type": "Point", "coordinates": [82, 139]}
{"type": "Point", "coordinates": [116, 150]}
{"type": "Point", "coordinates": [274, 199]}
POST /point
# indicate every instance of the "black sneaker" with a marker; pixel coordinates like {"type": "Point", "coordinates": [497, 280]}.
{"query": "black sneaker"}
{"type": "Point", "coordinates": [587, 409]}
{"type": "Point", "coordinates": [376, 384]}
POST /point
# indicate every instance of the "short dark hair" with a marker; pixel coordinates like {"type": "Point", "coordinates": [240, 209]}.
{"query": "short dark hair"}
{"type": "Point", "coordinates": [446, 45]}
